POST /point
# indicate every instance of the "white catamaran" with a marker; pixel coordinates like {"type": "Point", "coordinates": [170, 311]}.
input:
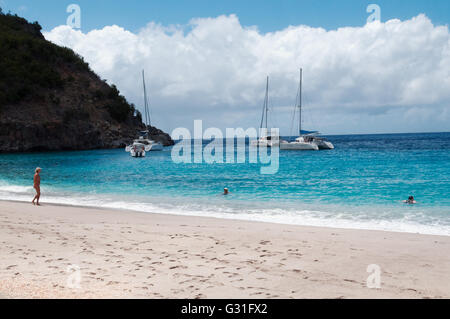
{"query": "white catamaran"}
{"type": "Point", "coordinates": [143, 144]}
{"type": "Point", "coordinates": [307, 141]}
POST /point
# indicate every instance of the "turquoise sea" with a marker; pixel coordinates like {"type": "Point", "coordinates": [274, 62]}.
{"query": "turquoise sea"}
{"type": "Point", "coordinates": [360, 184]}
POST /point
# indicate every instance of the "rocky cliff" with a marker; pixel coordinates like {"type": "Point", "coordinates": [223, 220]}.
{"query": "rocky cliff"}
{"type": "Point", "coordinates": [51, 100]}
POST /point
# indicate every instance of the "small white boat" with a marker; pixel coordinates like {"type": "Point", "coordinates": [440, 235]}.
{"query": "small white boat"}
{"type": "Point", "coordinates": [142, 145]}
{"type": "Point", "coordinates": [137, 149]}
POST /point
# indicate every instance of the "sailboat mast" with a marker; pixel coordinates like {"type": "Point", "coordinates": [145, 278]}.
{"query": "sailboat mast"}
{"type": "Point", "coordinates": [267, 99]}
{"type": "Point", "coordinates": [265, 105]}
{"type": "Point", "coordinates": [300, 103]}
{"type": "Point", "coordinates": [147, 114]}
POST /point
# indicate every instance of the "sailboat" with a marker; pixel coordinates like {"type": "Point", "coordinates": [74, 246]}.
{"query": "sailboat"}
{"type": "Point", "coordinates": [307, 141]}
{"type": "Point", "coordinates": [268, 140]}
{"type": "Point", "coordinates": [143, 144]}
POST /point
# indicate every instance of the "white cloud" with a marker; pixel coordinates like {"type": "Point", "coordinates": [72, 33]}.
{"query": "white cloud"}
{"type": "Point", "coordinates": [378, 77]}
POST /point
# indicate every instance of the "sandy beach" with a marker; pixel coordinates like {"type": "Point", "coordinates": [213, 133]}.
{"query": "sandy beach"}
{"type": "Point", "coordinates": [123, 254]}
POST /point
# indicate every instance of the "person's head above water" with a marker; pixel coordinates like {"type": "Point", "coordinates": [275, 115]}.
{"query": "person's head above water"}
{"type": "Point", "coordinates": [38, 169]}
{"type": "Point", "coordinates": [225, 191]}
{"type": "Point", "coordinates": [410, 200]}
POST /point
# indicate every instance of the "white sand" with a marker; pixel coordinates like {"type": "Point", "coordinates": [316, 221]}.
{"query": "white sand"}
{"type": "Point", "coordinates": [125, 254]}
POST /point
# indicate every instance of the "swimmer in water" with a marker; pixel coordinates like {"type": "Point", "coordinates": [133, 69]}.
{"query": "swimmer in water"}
{"type": "Point", "coordinates": [225, 191]}
{"type": "Point", "coordinates": [410, 200]}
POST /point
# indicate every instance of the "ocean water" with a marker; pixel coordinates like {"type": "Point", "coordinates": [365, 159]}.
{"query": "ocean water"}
{"type": "Point", "coordinates": [360, 184]}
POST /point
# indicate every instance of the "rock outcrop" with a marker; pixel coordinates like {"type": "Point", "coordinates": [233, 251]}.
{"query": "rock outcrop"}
{"type": "Point", "coordinates": [51, 100]}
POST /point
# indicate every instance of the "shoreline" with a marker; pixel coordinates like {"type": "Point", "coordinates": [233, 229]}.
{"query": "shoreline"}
{"type": "Point", "coordinates": [231, 218]}
{"type": "Point", "coordinates": [127, 254]}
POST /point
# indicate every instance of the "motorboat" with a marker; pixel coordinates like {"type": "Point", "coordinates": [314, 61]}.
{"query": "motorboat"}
{"type": "Point", "coordinates": [137, 149]}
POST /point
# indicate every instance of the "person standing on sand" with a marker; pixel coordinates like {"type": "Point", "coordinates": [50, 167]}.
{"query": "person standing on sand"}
{"type": "Point", "coordinates": [37, 186]}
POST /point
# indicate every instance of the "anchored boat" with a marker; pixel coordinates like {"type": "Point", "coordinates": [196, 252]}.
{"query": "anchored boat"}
{"type": "Point", "coordinates": [143, 144]}
{"type": "Point", "coordinates": [308, 141]}
{"type": "Point", "coordinates": [268, 140]}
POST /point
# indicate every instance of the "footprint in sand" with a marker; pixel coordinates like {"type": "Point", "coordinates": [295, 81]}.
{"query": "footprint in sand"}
{"type": "Point", "coordinates": [179, 266]}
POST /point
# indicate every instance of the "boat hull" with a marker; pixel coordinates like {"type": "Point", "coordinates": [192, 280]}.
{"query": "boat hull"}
{"type": "Point", "coordinates": [325, 145]}
{"type": "Point", "coordinates": [264, 144]}
{"type": "Point", "coordinates": [136, 150]}
{"type": "Point", "coordinates": [156, 147]}
{"type": "Point", "coordinates": [298, 146]}
{"type": "Point", "coordinates": [137, 154]}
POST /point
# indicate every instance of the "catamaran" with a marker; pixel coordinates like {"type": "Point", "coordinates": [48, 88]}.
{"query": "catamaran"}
{"type": "Point", "coordinates": [307, 141]}
{"type": "Point", "coordinates": [321, 142]}
{"type": "Point", "coordinates": [143, 144]}
{"type": "Point", "coordinates": [268, 140]}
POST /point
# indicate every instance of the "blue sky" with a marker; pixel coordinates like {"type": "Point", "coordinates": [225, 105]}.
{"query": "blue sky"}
{"type": "Point", "coordinates": [269, 15]}
{"type": "Point", "coordinates": [391, 76]}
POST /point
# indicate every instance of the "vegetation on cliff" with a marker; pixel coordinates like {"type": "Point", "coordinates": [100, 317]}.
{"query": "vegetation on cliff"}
{"type": "Point", "coordinates": [50, 91]}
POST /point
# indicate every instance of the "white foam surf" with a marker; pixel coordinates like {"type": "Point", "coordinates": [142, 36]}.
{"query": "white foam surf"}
{"type": "Point", "coordinates": [239, 211]}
